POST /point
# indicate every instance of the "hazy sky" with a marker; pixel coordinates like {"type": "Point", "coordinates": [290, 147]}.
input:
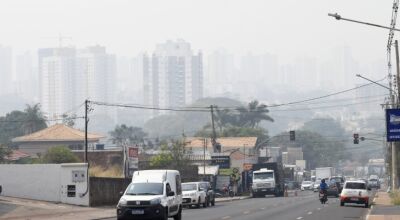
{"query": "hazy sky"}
{"type": "Point", "coordinates": [127, 27]}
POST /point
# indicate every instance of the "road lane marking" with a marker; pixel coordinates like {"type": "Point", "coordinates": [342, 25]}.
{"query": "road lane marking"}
{"type": "Point", "coordinates": [309, 213]}
{"type": "Point", "coordinates": [262, 208]}
{"type": "Point", "coordinates": [246, 212]}
{"type": "Point", "coordinates": [226, 217]}
{"type": "Point", "coordinates": [299, 218]}
{"type": "Point", "coordinates": [319, 208]}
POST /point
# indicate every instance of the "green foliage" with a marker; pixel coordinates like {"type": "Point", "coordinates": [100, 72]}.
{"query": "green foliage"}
{"type": "Point", "coordinates": [19, 123]}
{"type": "Point", "coordinates": [318, 151]}
{"type": "Point", "coordinates": [59, 154]}
{"type": "Point", "coordinates": [174, 156]}
{"type": "Point", "coordinates": [124, 135]}
{"type": "Point", "coordinates": [327, 127]}
{"type": "Point", "coordinates": [4, 152]}
{"type": "Point", "coordinates": [188, 123]}
{"type": "Point", "coordinates": [395, 196]}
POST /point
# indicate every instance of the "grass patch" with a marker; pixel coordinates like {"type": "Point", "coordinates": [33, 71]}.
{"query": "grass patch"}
{"type": "Point", "coordinates": [99, 171]}
{"type": "Point", "coordinates": [395, 196]}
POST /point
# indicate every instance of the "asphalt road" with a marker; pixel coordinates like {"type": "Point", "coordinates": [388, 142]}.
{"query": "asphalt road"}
{"type": "Point", "coordinates": [304, 206]}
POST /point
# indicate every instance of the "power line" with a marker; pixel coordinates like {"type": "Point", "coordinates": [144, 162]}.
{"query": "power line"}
{"type": "Point", "coordinates": [47, 120]}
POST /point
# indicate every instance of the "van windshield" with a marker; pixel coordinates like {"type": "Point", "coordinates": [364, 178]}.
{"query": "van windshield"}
{"type": "Point", "coordinates": [263, 176]}
{"type": "Point", "coordinates": [145, 189]}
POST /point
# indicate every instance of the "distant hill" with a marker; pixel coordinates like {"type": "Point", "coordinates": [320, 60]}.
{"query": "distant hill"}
{"type": "Point", "coordinates": [177, 123]}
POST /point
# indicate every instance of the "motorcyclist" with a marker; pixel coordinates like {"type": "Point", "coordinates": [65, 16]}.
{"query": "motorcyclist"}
{"type": "Point", "coordinates": [324, 189]}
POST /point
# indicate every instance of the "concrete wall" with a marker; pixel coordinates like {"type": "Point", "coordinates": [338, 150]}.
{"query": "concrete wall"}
{"type": "Point", "coordinates": [105, 191]}
{"type": "Point", "coordinates": [47, 182]}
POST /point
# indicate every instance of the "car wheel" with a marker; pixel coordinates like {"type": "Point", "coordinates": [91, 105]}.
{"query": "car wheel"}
{"type": "Point", "coordinates": [213, 202]}
{"type": "Point", "coordinates": [366, 205]}
{"type": "Point", "coordinates": [205, 202]}
{"type": "Point", "coordinates": [341, 203]}
{"type": "Point", "coordinates": [179, 215]}
{"type": "Point", "coordinates": [198, 203]}
{"type": "Point", "coordinates": [337, 195]}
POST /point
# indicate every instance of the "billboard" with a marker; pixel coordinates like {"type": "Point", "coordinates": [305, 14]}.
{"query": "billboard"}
{"type": "Point", "coordinates": [224, 162]}
{"type": "Point", "coordinates": [393, 125]}
{"type": "Point", "coordinates": [133, 159]}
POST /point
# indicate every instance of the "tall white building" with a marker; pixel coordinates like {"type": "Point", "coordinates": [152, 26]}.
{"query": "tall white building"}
{"type": "Point", "coordinates": [68, 76]}
{"type": "Point", "coordinates": [5, 70]}
{"type": "Point", "coordinates": [173, 75]}
{"type": "Point", "coordinates": [26, 81]}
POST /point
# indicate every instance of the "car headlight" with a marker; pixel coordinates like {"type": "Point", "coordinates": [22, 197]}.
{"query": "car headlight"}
{"type": "Point", "coordinates": [155, 201]}
{"type": "Point", "coordinates": [122, 202]}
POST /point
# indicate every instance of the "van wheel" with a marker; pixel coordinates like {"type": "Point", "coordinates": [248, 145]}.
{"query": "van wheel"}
{"type": "Point", "coordinates": [213, 202]}
{"type": "Point", "coordinates": [366, 205]}
{"type": "Point", "coordinates": [179, 215]}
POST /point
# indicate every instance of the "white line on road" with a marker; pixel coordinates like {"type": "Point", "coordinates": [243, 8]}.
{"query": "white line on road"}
{"type": "Point", "coordinates": [262, 208]}
{"type": "Point", "coordinates": [226, 217]}
{"type": "Point", "coordinates": [246, 212]}
{"type": "Point", "coordinates": [309, 213]}
{"type": "Point", "coordinates": [319, 208]}
{"type": "Point", "coordinates": [299, 218]}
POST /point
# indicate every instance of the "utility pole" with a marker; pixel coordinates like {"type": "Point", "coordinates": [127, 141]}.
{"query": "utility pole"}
{"type": "Point", "coordinates": [396, 144]}
{"type": "Point", "coordinates": [86, 129]}
{"type": "Point", "coordinates": [204, 158]}
{"type": "Point", "coordinates": [214, 137]}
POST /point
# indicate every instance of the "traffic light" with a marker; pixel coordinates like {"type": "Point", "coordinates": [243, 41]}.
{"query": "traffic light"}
{"type": "Point", "coordinates": [356, 138]}
{"type": "Point", "coordinates": [292, 135]}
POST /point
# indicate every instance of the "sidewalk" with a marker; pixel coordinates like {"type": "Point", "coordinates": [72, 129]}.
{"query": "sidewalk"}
{"type": "Point", "coordinates": [23, 209]}
{"type": "Point", "coordinates": [382, 208]}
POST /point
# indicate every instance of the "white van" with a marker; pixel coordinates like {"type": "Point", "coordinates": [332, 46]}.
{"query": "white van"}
{"type": "Point", "coordinates": [152, 194]}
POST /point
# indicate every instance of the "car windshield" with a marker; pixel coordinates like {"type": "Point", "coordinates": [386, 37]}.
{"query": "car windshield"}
{"type": "Point", "coordinates": [263, 176]}
{"type": "Point", "coordinates": [373, 180]}
{"type": "Point", "coordinates": [337, 179]}
{"type": "Point", "coordinates": [306, 182]}
{"type": "Point", "coordinates": [189, 187]}
{"type": "Point", "coordinates": [355, 186]}
{"type": "Point", "coordinates": [145, 189]}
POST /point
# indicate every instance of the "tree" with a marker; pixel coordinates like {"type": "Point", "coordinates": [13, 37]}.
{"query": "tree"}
{"type": "Point", "coordinates": [317, 150]}
{"type": "Point", "coordinates": [328, 127]}
{"type": "Point", "coordinates": [59, 154]}
{"type": "Point", "coordinates": [124, 135]}
{"type": "Point", "coordinates": [34, 119]}
{"type": "Point", "coordinates": [173, 156]}
{"type": "Point", "coordinates": [69, 120]}
{"type": "Point", "coordinates": [4, 152]}
{"type": "Point", "coordinates": [19, 123]}
{"type": "Point", "coordinates": [253, 114]}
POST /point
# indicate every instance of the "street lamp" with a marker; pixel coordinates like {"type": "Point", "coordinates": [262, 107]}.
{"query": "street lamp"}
{"type": "Point", "coordinates": [338, 17]}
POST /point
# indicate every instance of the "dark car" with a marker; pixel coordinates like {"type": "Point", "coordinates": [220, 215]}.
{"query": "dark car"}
{"type": "Point", "coordinates": [206, 186]}
{"type": "Point", "coordinates": [374, 184]}
{"type": "Point", "coordinates": [333, 189]}
{"type": "Point", "coordinates": [338, 179]}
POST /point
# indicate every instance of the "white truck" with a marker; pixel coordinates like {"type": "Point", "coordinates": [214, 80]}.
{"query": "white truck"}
{"type": "Point", "coordinates": [324, 172]}
{"type": "Point", "coordinates": [268, 180]}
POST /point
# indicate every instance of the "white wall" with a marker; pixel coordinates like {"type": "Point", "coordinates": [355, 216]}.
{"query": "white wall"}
{"type": "Point", "coordinates": [47, 182]}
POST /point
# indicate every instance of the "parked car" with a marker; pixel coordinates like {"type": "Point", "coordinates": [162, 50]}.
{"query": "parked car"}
{"type": "Point", "coordinates": [193, 195]}
{"type": "Point", "coordinates": [307, 185]}
{"type": "Point", "coordinates": [355, 192]}
{"type": "Point", "coordinates": [333, 189]}
{"type": "Point", "coordinates": [206, 187]}
{"type": "Point", "coordinates": [152, 194]}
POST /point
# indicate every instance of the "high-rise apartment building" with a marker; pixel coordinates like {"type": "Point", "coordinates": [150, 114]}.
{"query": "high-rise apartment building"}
{"type": "Point", "coordinates": [172, 75]}
{"type": "Point", "coordinates": [5, 70]}
{"type": "Point", "coordinates": [68, 76]}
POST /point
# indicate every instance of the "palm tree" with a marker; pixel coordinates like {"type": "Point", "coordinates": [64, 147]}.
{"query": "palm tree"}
{"type": "Point", "coordinates": [34, 119]}
{"type": "Point", "coordinates": [253, 114]}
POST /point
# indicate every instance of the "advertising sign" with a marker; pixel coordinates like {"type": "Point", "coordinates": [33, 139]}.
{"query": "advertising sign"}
{"type": "Point", "coordinates": [224, 162]}
{"type": "Point", "coordinates": [393, 125]}
{"type": "Point", "coordinates": [133, 158]}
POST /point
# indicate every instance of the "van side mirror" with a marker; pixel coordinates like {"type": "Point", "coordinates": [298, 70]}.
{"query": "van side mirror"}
{"type": "Point", "coordinates": [171, 193]}
{"type": "Point", "coordinates": [121, 193]}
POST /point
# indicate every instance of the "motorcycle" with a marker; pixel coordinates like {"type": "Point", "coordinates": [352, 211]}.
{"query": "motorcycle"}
{"type": "Point", "coordinates": [323, 196]}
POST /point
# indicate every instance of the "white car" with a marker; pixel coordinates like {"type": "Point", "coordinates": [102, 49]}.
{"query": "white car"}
{"type": "Point", "coordinates": [355, 192]}
{"type": "Point", "coordinates": [307, 185]}
{"type": "Point", "coordinates": [193, 195]}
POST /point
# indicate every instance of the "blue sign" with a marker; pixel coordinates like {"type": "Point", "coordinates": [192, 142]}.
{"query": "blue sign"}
{"type": "Point", "coordinates": [224, 162]}
{"type": "Point", "coordinates": [393, 125]}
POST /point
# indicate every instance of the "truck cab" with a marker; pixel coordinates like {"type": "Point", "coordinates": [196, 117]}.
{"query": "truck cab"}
{"type": "Point", "coordinates": [264, 183]}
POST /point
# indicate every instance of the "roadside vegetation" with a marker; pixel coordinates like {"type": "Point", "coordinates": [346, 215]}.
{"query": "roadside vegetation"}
{"type": "Point", "coordinates": [395, 195]}
{"type": "Point", "coordinates": [99, 171]}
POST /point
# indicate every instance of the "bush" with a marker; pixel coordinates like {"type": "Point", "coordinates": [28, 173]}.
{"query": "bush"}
{"type": "Point", "coordinates": [99, 171]}
{"type": "Point", "coordinates": [395, 195]}
{"type": "Point", "coordinates": [60, 154]}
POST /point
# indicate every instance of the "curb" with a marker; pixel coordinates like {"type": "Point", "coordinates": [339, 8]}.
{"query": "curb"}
{"type": "Point", "coordinates": [233, 199]}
